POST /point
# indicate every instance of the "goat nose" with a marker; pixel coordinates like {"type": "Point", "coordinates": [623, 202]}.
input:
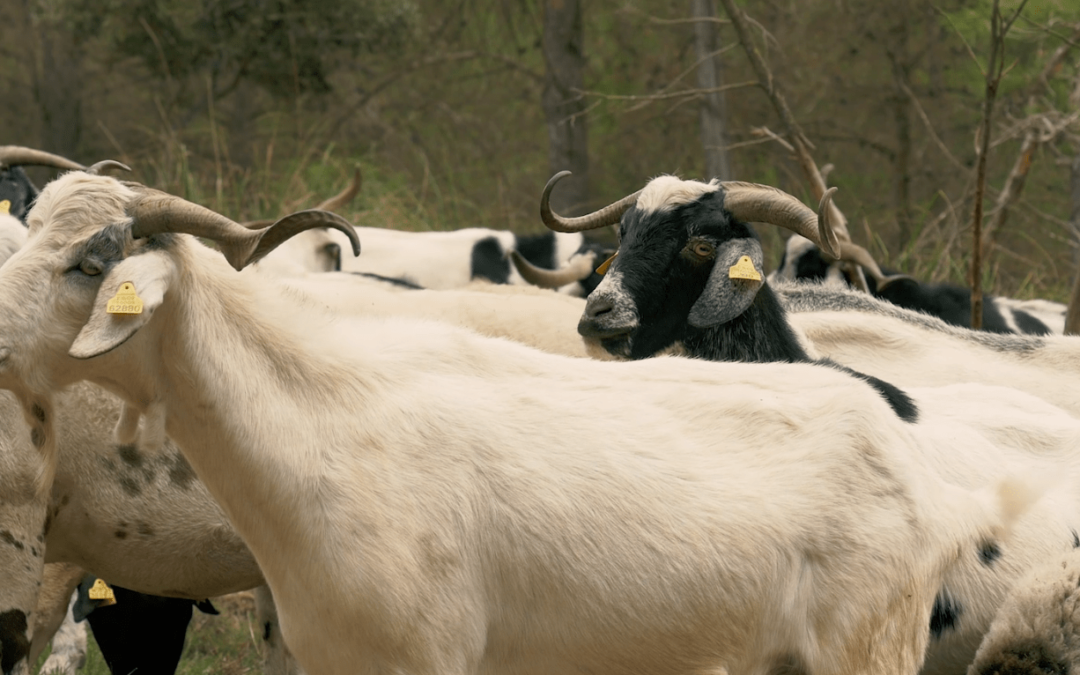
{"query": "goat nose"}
{"type": "Point", "coordinates": [596, 306]}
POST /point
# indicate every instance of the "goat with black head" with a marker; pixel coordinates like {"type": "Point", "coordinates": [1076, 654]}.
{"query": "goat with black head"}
{"type": "Point", "coordinates": [688, 274]}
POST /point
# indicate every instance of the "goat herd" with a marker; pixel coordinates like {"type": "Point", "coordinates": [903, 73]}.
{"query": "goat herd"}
{"type": "Point", "coordinates": [423, 473]}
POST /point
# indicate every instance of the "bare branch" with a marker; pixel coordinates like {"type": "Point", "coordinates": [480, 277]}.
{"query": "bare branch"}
{"type": "Point", "coordinates": [685, 93]}
{"type": "Point", "coordinates": [971, 51]}
{"type": "Point", "coordinates": [769, 135]}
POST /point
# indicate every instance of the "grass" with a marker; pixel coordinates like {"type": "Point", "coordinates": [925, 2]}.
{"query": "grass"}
{"type": "Point", "coordinates": [228, 644]}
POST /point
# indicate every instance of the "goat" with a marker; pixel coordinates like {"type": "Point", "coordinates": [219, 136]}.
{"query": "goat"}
{"type": "Point", "coordinates": [915, 349]}
{"type": "Point", "coordinates": [441, 260]}
{"type": "Point", "coordinates": [15, 186]}
{"type": "Point", "coordinates": [137, 633]}
{"type": "Point", "coordinates": [1037, 630]}
{"type": "Point", "coordinates": [803, 261]}
{"type": "Point", "coordinates": [414, 508]}
{"type": "Point", "coordinates": [675, 284]}
{"type": "Point", "coordinates": [528, 315]}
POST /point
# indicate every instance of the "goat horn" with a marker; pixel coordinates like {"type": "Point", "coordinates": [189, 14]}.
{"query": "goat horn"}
{"type": "Point", "coordinates": [609, 215]}
{"type": "Point", "coordinates": [580, 269]}
{"type": "Point", "coordinates": [345, 196]}
{"type": "Point", "coordinates": [751, 202]}
{"type": "Point", "coordinates": [105, 166]}
{"type": "Point", "coordinates": [850, 252]}
{"type": "Point", "coordinates": [156, 212]}
{"type": "Point", "coordinates": [17, 155]}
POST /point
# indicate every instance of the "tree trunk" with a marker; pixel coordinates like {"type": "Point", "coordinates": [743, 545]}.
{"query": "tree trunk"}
{"type": "Point", "coordinates": [1072, 318]}
{"type": "Point", "coordinates": [710, 76]}
{"type": "Point", "coordinates": [564, 107]}
{"type": "Point", "coordinates": [58, 90]}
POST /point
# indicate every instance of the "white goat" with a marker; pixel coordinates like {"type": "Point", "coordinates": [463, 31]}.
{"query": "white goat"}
{"type": "Point", "coordinates": [1037, 630]}
{"type": "Point", "coordinates": [531, 316]}
{"type": "Point", "coordinates": [414, 507]}
{"type": "Point", "coordinates": [913, 349]}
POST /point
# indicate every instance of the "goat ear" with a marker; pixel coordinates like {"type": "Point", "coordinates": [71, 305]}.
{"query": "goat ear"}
{"type": "Point", "coordinates": [732, 285]}
{"type": "Point", "coordinates": [149, 276]}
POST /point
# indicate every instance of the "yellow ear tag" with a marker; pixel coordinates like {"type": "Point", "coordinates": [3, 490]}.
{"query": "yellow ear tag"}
{"type": "Point", "coordinates": [5, 206]}
{"type": "Point", "coordinates": [744, 269]}
{"type": "Point", "coordinates": [101, 591]}
{"type": "Point", "coordinates": [602, 270]}
{"type": "Point", "coordinates": [126, 301]}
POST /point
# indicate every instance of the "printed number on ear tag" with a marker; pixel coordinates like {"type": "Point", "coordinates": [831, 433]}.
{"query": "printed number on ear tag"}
{"type": "Point", "coordinates": [126, 301]}
{"type": "Point", "coordinates": [101, 591]}
{"type": "Point", "coordinates": [744, 269]}
{"type": "Point", "coordinates": [602, 270]}
{"type": "Point", "coordinates": [5, 206]}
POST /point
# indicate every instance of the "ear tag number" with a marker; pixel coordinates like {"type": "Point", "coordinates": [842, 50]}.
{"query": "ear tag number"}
{"type": "Point", "coordinates": [101, 591]}
{"type": "Point", "coordinates": [5, 206]}
{"type": "Point", "coordinates": [126, 301]}
{"type": "Point", "coordinates": [744, 269]}
{"type": "Point", "coordinates": [602, 270]}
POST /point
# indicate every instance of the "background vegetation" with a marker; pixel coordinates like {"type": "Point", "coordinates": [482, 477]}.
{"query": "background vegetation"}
{"type": "Point", "coordinates": [254, 107]}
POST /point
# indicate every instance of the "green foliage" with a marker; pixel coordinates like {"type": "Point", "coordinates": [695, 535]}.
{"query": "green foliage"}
{"type": "Point", "coordinates": [288, 47]}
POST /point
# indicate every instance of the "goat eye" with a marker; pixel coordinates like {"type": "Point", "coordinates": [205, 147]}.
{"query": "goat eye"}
{"type": "Point", "coordinates": [90, 268]}
{"type": "Point", "coordinates": [703, 249]}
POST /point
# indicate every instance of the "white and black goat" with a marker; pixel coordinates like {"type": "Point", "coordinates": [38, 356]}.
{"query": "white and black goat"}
{"type": "Point", "coordinates": [687, 277]}
{"type": "Point", "coordinates": [803, 261]}
{"type": "Point", "coordinates": [687, 280]}
{"type": "Point", "coordinates": [441, 260]}
{"type": "Point", "coordinates": [15, 186]}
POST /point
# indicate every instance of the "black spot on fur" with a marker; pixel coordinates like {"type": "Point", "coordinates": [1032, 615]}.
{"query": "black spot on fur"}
{"type": "Point", "coordinates": [180, 473]}
{"type": "Point", "coordinates": [266, 631]}
{"type": "Point", "coordinates": [38, 412]}
{"type": "Point", "coordinates": [1025, 659]}
{"type": "Point", "coordinates": [1076, 539]}
{"type": "Point", "coordinates": [395, 281]}
{"type": "Point", "coordinates": [897, 399]}
{"type": "Point", "coordinates": [945, 615]}
{"type": "Point", "coordinates": [130, 486]}
{"type": "Point", "coordinates": [1028, 324]}
{"type": "Point", "coordinates": [539, 249]}
{"type": "Point", "coordinates": [489, 261]}
{"type": "Point", "coordinates": [129, 454]}
{"type": "Point", "coordinates": [14, 644]}
{"type": "Point", "coordinates": [9, 538]}
{"type": "Point", "coordinates": [989, 553]}
{"type": "Point", "coordinates": [144, 529]}
{"type": "Point", "coordinates": [120, 534]}
{"type": "Point", "coordinates": [37, 437]}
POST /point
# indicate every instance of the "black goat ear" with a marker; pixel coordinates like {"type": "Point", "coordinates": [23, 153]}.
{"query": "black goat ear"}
{"type": "Point", "coordinates": [732, 286]}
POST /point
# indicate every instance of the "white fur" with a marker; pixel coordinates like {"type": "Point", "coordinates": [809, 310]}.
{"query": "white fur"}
{"type": "Point", "coordinates": [664, 193]}
{"type": "Point", "coordinates": [1037, 630]}
{"type": "Point", "coordinates": [423, 499]}
{"type": "Point", "coordinates": [531, 316]}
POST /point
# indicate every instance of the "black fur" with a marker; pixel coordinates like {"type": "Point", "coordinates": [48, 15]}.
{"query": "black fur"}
{"type": "Point", "coordinates": [665, 281]}
{"type": "Point", "coordinates": [489, 261]}
{"type": "Point", "coordinates": [394, 281]}
{"type": "Point", "coordinates": [948, 302]}
{"type": "Point", "coordinates": [15, 186]}
{"type": "Point", "coordinates": [945, 615]}
{"type": "Point", "coordinates": [539, 249]}
{"type": "Point", "coordinates": [14, 645]}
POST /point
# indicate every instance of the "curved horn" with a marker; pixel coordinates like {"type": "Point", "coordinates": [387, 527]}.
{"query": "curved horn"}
{"type": "Point", "coordinates": [156, 212]}
{"type": "Point", "coordinates": [850, 252]}
{"type": "Point", "coordinates": [752, 202]}
{"type": "Point", "coordinates": [609, 215]}
{"type": "Point", "coordinates": [345, 196]}
{"type": "Point", "coordinates": [105, 166]}
{"type": "Point", "coordinates": [579, 269]}
{"type": "Point", "coordinates": [17, 155]}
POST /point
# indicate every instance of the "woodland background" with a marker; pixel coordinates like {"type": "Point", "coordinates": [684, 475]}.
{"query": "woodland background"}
{"type": "Point", "coordinates": [459, 110]}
